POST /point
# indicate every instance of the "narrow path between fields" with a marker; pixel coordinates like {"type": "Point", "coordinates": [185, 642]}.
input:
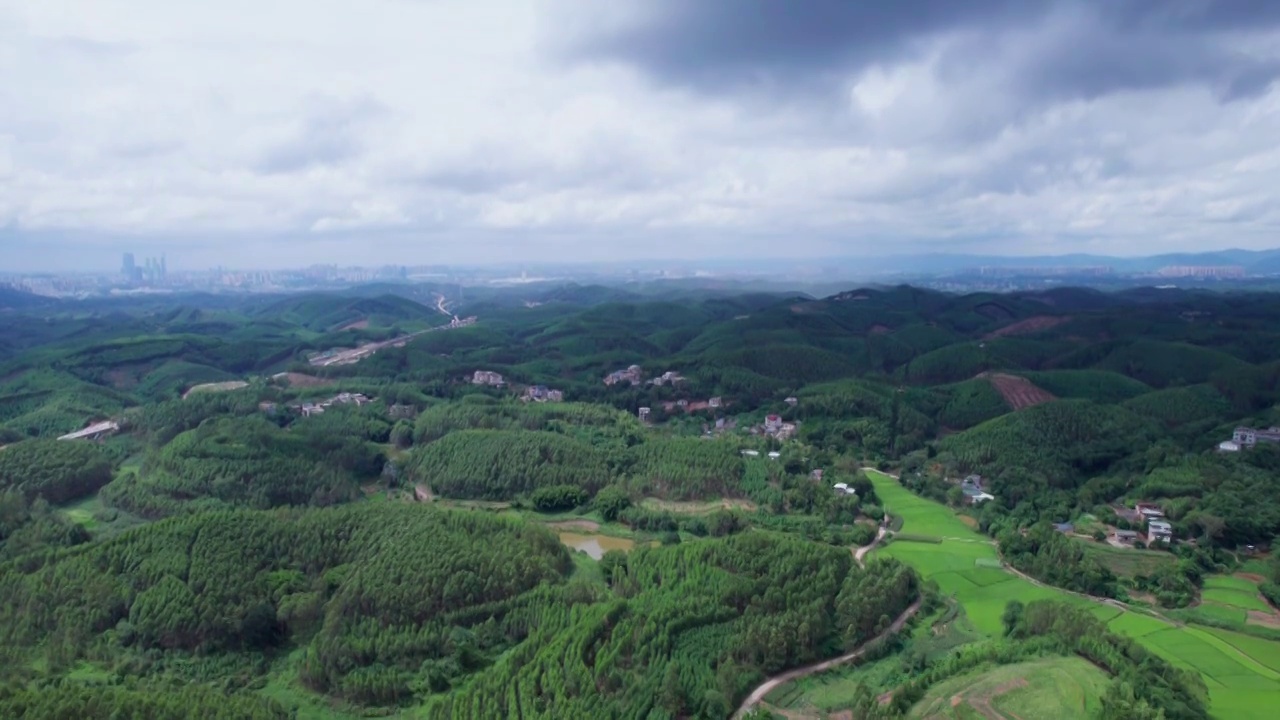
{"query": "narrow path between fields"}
{"type": "Point", "coordinates": [768, 685]}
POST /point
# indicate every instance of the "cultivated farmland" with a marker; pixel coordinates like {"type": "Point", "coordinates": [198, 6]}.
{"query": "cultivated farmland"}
{"type": "Point", "coordinates": [1243, 684]}
{"type": "Point", "coordinates": [1127, 562]}
{"type": "Point", "coordinates": [1233, 591]}
{"type": "Point", "coordinates": [1066, 688]}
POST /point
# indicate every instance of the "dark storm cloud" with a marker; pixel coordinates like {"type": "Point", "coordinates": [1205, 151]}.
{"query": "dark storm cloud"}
{"type": "Point", "coordinates": [1070, 48]}
{"type": "Point", "coordinates": [713, 44]}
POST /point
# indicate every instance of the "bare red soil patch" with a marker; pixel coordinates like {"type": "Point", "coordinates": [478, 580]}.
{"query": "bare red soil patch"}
{"type": "Point", "coordinates": [357, 325]}
{"type": "Point", "coordinates": [1265, 619]}
{"type": "Point", "coordinates": [1030, 325]}
{"type": "Point", "coordinates": [1018, 392]}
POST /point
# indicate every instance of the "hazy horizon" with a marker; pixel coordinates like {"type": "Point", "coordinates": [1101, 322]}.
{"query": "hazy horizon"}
{"type": "Point", "coordinates": [283, 134]}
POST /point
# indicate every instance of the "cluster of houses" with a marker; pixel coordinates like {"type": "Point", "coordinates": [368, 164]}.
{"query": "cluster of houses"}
{"type": "Point", "coordinates": [308, 409]}
{"type": "Point", "coordinates": [1247, 437]}
{"type": "Point", "coordinates": [971, 486]}
{"type": "Point", "coordinates": [687, 406]}
{"type": "Point", "coordinates": [632, 375]}
{"type": "Point", "coordinates": [487, 377]}
{"type": "Point", "coordinates": [1158, 529]}
{"type": "Point", "coordinates": [714, 403]}
{"type": "Point", "coordinates": [774, 427]}
{"type": "Point", "coordinates": [542, 393]}
{"type": "Point", "coordinates": [532, 393]}
{"type": "Point", "coordinates": [667, 378]}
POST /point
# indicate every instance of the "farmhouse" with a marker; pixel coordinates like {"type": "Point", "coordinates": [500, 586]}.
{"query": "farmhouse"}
{"type": "Point", "coordinates": [1147, 511]}
{"type": "Point", "coordinates": [844, 488]}
{"type": "Point", "coordinates": [775, 455]}
{"type": "Point", "coordinates": [1248, 437]}
{"type": "Point", "coordinates": [1126, 536]}
{"type": "Point", "coordinates": [542, 393]}
{"type": "Point", "coordinates": [1159, 530]}
{"type": "Point", "coordinates": [972, 489]}
{"type": "Point", "coordinates": [1228, 446]}
{"type": "Point", "coordinates": [668, 377]}
{"type": "Point", "coordinates": [486, 377]}
{"type": "Point", "coordinates": [1064, 527]}
{"type": "Point", "coordinates": [643, 414]}
{"type": "Point", "coordinates": [980, 497]}
{"type": "Point", "coordinates": [751, 453]}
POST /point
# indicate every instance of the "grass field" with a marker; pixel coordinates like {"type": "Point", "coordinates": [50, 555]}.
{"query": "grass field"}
{"type": "Point", "coordinates": [81, 512]}
{"type": "Point", "coordinates": [1242, 684]}
{"type": "Point", "coordinates": [1062, 688]}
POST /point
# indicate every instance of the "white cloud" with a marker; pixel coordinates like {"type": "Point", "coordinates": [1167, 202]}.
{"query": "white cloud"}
{"type": "Point", "coordinates": [307, 121]}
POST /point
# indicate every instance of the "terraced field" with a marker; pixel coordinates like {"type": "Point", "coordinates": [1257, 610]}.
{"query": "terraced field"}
{"type": "Point", "coordinates": [1062, 688]}
{"type": "Point", "coordinates": [1240, 671]}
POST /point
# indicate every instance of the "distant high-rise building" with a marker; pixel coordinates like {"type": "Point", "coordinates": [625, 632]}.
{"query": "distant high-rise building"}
{"type": "Point", "coordinates": [164, 267]}
{"type": "Point", "coordinates": [128, 267]}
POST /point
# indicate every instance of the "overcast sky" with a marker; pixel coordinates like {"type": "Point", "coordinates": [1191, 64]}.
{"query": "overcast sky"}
{"type": "Point", "coordinates": [283, 132]}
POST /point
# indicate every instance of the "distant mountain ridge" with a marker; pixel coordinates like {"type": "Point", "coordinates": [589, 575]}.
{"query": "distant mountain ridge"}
{"type": "Point", "coordinates": [1253, 261]}
{"type": "Point", "coordinates": [12, 298]}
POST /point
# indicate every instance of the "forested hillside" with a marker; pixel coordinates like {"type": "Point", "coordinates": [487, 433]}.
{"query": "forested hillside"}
{"type": "Point", "coordinates": [346, 505]}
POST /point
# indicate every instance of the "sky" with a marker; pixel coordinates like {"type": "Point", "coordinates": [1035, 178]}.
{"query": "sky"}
{"type": "Point", "coordinates": [276, 133]}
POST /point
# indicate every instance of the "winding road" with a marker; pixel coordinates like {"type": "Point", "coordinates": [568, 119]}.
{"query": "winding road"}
{"type": "Point", "coordinates": [768, 685]}
{"type": "Point", "coordinates": [862, 551]}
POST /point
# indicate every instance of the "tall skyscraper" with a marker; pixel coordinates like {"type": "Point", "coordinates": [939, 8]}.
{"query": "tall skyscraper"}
{"type": "Point", "coordinates": [164, 267]}
{"type": "Point", "coordinates": [128, 268]}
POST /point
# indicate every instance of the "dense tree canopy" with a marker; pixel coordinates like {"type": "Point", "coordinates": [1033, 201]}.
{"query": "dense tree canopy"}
{"type": "Point", "coordinates": [57, 471]}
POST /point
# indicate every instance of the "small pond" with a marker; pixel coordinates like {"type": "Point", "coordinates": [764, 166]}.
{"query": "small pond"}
{"type": "Point", "coordinates": [594, 544]}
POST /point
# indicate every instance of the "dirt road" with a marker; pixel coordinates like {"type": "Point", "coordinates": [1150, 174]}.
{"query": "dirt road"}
{"type": "Point", "coordinates": [768, 685]}
{"type": "Point", "coordinates": [862, 551]}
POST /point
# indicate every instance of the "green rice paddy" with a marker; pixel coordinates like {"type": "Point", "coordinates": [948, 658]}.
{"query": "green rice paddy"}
{"type": "Point", "coordinates": [1240, 671]}
{"type": "Point", "coordinates": [1233, 591]}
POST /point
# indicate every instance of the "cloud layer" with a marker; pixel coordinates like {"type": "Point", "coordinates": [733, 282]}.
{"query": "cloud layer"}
{"type": "Point", "coordinates": [283, 132]}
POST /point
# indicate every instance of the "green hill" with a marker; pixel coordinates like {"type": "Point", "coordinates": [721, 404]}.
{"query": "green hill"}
{"type": "Point", "coordinates": [1063, 440]}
